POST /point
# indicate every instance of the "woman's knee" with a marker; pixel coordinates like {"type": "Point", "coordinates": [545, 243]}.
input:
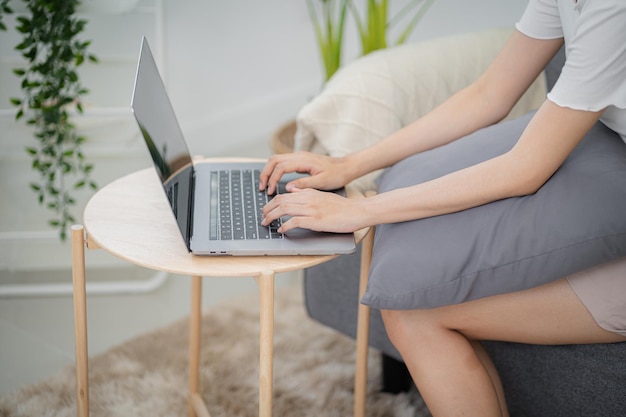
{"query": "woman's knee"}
{"type": "Point", "coordinates": [403, 325]}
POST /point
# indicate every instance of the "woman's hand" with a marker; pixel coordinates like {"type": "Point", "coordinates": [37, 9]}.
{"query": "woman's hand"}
{"type": "Point", "coordinates": [326, 173]}
{"type": "Point", "coordinates": [315, 210]}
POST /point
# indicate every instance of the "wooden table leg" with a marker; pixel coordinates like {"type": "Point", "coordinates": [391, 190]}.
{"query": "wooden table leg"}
{"type": "Point", "coordinates": [80, 321]}
{"type": "Point", "coordinates": [195, 326]}
{"type": "Point", "coordinates": [266, 343]}
{"type": "Point", "coordinates": [363, 328]}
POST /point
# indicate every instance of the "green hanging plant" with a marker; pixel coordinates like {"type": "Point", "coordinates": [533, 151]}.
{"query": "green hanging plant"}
{"type": "Point", "coordinates": [51, 92]}
{"type": "Point", "coordinates": [4, 10]}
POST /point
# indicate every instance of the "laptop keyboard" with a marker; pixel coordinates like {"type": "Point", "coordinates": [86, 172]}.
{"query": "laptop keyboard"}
{"type": "Point", "coordinates": [240, 206]}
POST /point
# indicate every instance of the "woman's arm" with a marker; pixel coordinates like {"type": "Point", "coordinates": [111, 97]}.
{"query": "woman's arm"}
{"type": "Point", "coordinates": [545, 143]}
{"type": "Point", "coordinates": [481, 104]}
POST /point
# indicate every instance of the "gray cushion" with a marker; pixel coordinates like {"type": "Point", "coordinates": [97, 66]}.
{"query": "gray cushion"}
{"type": "Point", "coordinates": [576, 220]}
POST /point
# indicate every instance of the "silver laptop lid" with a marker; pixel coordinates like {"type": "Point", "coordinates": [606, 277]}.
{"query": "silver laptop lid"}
{"type": "Point", "coordinates": [160, 129]}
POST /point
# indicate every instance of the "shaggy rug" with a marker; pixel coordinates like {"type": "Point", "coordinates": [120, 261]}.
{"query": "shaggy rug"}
{"type": "Point", "coordinates": [147, 376]}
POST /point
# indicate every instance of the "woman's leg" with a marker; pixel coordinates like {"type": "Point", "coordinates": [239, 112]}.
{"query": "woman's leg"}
{"type": "Point", "coordinates": [452, 371]}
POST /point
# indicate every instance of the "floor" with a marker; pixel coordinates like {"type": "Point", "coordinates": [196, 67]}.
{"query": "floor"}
{"type": "Point", "coordinates": [37, 331]}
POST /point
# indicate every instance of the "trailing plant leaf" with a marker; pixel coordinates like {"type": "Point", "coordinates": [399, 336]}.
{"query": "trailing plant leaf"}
{"type": "Point", "coordinates": [421, 11]}
{"type": "Point", "coordinates": [329, 29]}
{"type": "Point", "coordinates": [373, 30]}
{"type": "Point", "coordinates": [328, 24]}
{"type": "Point", "coordinates": [51, 87]}
{"type": "Point", "coordinates": [4, 10]}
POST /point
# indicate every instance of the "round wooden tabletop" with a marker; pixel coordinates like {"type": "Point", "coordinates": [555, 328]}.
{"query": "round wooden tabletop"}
{"type": "Point", "coordinates": [131, 219]}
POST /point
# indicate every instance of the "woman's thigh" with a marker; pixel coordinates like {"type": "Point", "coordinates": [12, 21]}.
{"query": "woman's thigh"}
{"type": "Point", "coordinates": [575, 221]}
{"type": "Point", "coordinates": [548, 314]}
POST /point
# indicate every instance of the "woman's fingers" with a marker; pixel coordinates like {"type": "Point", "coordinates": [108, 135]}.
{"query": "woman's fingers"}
{"type": "Point", "coordinates": [314, 210]}
{"type": "Point", "coordinates": [324, 171]}
{"type": "Point", "coordinates": [279, 165]}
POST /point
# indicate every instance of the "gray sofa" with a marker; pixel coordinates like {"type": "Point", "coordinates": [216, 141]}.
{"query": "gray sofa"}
{"type": "Point", "coordinates": [539, 381]}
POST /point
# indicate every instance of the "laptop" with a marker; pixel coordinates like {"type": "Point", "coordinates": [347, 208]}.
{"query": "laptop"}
{"type": "Point", "coordinates": [217, 205]}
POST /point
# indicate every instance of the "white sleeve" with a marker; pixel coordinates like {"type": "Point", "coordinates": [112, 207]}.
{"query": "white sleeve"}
{"type": "Point", "coordinates": [594, 75]}
{"type": "Point", "coordinates": [541, 20]}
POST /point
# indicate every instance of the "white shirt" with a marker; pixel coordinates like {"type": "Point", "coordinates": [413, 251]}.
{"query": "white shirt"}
{"type": "Point", "coordinates": [594, 74]}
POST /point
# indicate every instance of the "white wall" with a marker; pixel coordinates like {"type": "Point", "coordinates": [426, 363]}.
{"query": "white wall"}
{"type": "Point", "coordinates": [235, 70]}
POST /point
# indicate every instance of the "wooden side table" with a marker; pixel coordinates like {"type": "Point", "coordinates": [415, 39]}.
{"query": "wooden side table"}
{"type": "Point", "coordinates": [130, 218]}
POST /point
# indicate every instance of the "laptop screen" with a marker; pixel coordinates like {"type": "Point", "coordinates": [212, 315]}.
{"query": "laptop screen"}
{"type": "Point", "coordinates": [164, 139]}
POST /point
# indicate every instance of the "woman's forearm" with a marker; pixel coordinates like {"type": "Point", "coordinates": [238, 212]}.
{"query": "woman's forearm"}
{"type": "Point", "coordinates": [550, 136]}
{"type": "Point", "coordinates": [454, 192]}
{"type": "Point", "coordinates": [483, 103]}
{"type": "Point", "coordinates": [465, 112]}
